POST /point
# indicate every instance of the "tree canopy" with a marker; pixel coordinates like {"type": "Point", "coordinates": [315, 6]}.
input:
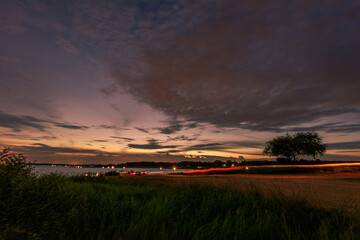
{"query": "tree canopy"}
{"type": "Point", "coordinates": [292, 146]}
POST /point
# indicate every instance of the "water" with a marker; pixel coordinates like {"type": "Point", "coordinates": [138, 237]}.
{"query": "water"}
{"type": "Point", "coordinates": [73, 171]}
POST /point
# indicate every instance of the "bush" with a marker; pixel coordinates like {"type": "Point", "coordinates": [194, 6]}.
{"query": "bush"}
{"type": "Point", "coordinates": [15, 182]}
{"type": "Point", "coordinates": [13, 164]}
{"type": "Point", "coordinates": [13, 172]}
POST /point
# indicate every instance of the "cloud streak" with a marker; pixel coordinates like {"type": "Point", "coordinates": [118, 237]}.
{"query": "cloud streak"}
{"type": "Point", "coordinates": [142, 130]}
{"type": "Point", "coordinates": [18, 123]}
{"type": "Point", "coordinates": [327, 127]}
{"type": "Point", "coordinates": [152, 144]}
{"type": "Point", "coordinates": [43, 148]}
{"type": "Point", "coordinates": [220, 147]}
{"type": "Point", "coordinates": [344, 145]}
{"type": "Point", "coordinates": [123, 138]}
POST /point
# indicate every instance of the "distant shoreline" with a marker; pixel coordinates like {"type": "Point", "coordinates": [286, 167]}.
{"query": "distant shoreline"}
{"type": "Point", "coordinates": [193, 165]}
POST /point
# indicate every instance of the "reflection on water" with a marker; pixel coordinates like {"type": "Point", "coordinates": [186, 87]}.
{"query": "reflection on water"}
{"type": "Point", "coordinates": [73, 171]}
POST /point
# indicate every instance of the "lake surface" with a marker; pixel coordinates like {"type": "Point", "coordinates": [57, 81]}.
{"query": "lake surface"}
{"type": "Point", "coordinates": [73, 171]}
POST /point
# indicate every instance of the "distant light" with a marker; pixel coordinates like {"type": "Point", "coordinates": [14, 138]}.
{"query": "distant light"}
{"type": "Point", "coordinates": [112, 167]}
{"type": "Point", "coordinates": [108, 167]}
{"type": "Point", "coordinates": [97, 174]}
{"type": "Point", "coordinates": [123, 167]}
{"type": "Point", "coordinates": [247, 168]}
{"type": "Point", "coordinates": [86, 174]}
{"type": "Point", "coordinates": [103, 167]}
{"type": "Point", "coordinates": [174, 168]}
{"type": "Point", "coordinates": [232, 165]}
{"type": "Point", "coordinates": [160, 168]}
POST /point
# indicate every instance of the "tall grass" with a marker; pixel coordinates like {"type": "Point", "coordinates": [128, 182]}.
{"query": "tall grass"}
{"type": "Point", "coordinates": [55, 207]}
{"type": "Point", "coordinates": [58, 207]}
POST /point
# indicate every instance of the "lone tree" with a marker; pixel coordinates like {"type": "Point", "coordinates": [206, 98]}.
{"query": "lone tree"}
{"type": "Point", "coordinates": [292, 146]}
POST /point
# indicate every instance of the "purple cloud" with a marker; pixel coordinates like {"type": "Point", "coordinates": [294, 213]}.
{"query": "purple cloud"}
{"type": "Point", "coordinates": [253, 66]}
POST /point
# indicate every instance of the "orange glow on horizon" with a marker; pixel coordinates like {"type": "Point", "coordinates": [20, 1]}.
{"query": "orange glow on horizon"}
{"type": "Point", "coordinates": [213, 170]}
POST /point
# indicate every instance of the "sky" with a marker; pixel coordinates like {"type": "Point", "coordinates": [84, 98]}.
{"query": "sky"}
{"type": "Point", "coordinates": [86, 81]}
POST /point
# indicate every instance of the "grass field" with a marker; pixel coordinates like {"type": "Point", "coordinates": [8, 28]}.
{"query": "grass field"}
{"type": "Point", "coordinates": [163, 207]}
{"type": "Point", "coordinates": [327, 190]}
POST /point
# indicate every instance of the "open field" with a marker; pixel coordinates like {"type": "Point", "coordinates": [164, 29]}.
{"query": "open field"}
{"type": "Point", "coordinates": [240, 206]}
{"type": "Point", "coordinates": [327, 190]}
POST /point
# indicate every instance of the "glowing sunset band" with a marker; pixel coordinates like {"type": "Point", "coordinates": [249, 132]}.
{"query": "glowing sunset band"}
{"type": "Point", "coordinates": [213, 170]}
{"type": "Point", "coordinates": [311, 165]}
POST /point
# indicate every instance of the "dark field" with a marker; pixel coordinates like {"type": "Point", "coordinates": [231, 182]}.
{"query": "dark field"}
{"type": "Point", "coordinates": [338, 190]}
{"type": "Point", "coordinates": [250, 206]}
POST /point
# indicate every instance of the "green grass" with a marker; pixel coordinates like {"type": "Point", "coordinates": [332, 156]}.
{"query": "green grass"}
{"type": "Point", "coordinates": [55, 207]}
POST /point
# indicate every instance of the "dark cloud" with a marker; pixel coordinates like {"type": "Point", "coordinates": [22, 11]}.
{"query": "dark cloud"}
{"type": "Point", "coordinates": [152, 144]}
{"type": "Point", "coordinates": [105, 126]}
{"type": "Point", "coordinates": [10, 135]}
{"type": "Point", "coordinates": [100, 140]}
{"type": "Point", "coordinates": [209, 146]}
{"type": "Point", "coordinates": [226, 145]}
{"type": "Point", "coordinates": [246, 144]}
{"type": "Point", "coordinates": [123, 138]}
{"type": "Point", "coordinates": [199, 147]}
{"type": "Point", "coordinates": [344, 145]}
{"type": "Point", "coordinates": [171, 129]}
{"type": "Point", "coordinates": [327, 127]}
{"type": "Point", "coordinates": [44, 138]}
{"type": "Point", "coordinates": [109, 91]}
{"type": "Point", "coordinates": [221, 147]}
{"type": "Point", "coordinates": [191, 125]}
{"type": "Point", "coordinates": [182, 138]}
{"type": "Point", "coordinates": [251, 65]}
{"type": "Point", "coordinates": [39, 147]}
{"type": "Point", "coordinates": [17, 123]}
{"type": "Point", "coordinates": [28, 137]}
{"type": "Point", "coordinates": [69, 126]}
{"type": "Point", "coordinates": [176, 126]}
{"type": "Point", "coordinates": [349, 128]}
{"type": "Point", "coordinates": [142, 130]}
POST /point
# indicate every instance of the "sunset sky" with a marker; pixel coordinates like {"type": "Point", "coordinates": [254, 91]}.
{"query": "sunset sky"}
{"type": "Point", "coordinates": [117, 81]}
